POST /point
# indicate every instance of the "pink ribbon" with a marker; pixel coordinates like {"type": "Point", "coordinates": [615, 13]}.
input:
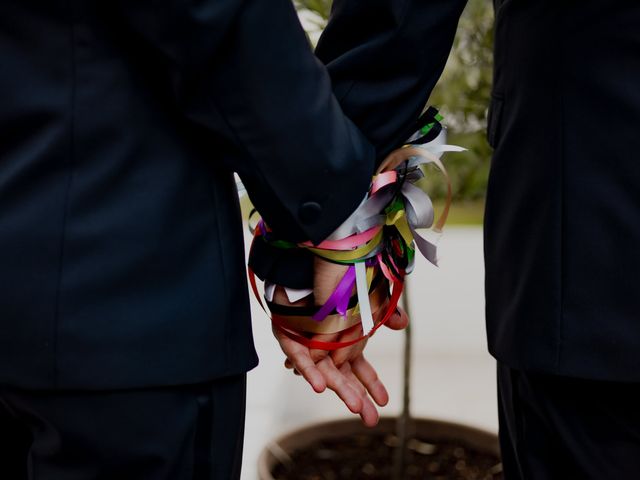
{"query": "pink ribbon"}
{"type": "Point", "coordinates": [383, 179]}
{"type": "Point", "coordinates": [348, 243]}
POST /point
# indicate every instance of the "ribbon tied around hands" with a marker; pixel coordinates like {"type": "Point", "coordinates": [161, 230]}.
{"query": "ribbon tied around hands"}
{"type": "Point", "coordinates": [376, 245]}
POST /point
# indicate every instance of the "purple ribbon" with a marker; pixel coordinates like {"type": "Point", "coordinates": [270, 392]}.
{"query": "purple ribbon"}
{"type": "Point", "coordinates": [339, 299]}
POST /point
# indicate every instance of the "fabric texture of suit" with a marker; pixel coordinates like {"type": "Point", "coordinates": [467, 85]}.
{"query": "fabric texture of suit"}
{"type": "Point", "coordinates": [188, 432]}
{"type": "Point", "coordinates": [562, 236]}
{"type": "Point", "coordinates": [121, 122]}
{"type": "Point", "coordinates": [558, 428]}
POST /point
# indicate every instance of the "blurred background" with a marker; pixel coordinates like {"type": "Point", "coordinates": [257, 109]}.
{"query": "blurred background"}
{"type": "Point", "coordinates": [453, 376]}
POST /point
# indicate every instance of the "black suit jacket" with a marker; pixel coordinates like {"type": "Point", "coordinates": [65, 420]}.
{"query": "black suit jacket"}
{"type": "Point", "coordinates": [384, 58]}
{"type": "Point", "coordinates": [563, 208]}
{"type": "Point", "coordinates": [562, 229]}
{"type": "Point", "coordinates": [121, 121]}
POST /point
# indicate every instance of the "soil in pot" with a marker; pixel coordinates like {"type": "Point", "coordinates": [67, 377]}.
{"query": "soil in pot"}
{"type": "Point", "coordinates": [370, 457]}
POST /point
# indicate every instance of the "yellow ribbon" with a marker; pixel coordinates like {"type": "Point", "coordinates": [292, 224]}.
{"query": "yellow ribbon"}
{"type": "Point", "coordinates": [349, 255]}
{"type": "Point", "coordinates": [399, 220]}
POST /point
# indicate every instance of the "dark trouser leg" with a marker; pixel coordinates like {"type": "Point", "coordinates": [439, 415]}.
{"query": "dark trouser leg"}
{"type": "Point", "coordinates": [530, 448]}
{"type": "Point", "coordinates": [222, 445]}
{"type": "Point", "coordinates": [175, 433]}
{"type": "Point", "coordinates": [509, 438]}
{"type": "Point", "coordinates": [563, 428]}
{"type": "Point", "coordinates": [15, 441]}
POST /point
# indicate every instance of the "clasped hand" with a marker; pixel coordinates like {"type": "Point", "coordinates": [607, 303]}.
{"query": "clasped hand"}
{"type": "Point", "coordinates": [344, 371]}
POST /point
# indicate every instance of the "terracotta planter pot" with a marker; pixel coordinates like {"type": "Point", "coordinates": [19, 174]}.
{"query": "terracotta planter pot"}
{"type": "Point", "coordinates": [435, 431]}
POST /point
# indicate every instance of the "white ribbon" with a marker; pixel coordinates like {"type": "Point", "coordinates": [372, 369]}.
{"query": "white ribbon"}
{"type": "Point", "coordinates": [293, 294]}
{"type": "Point", "coordinates": [363, 297]}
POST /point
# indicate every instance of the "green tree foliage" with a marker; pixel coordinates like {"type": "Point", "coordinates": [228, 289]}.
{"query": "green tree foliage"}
{"type": "Point", "coordinates": [320, 8]}
{"type": "Point", "coordinates": [462, 94]}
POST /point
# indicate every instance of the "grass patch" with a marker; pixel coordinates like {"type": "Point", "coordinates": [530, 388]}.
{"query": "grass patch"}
{"type": "Point", "coordinates": [463, 212]}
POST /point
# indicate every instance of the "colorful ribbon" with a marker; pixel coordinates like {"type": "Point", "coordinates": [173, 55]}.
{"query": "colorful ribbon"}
{"type": "Point", "coordinates": [380, 236]}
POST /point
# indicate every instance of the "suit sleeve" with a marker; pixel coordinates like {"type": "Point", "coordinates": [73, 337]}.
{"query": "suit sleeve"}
{"type": "Point", "coordinates": [244, 70]}
{"type": "Point", "coordinates": [385, 57]}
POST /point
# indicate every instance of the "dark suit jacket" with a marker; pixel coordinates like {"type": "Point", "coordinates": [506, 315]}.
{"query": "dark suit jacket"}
{"type": "Point", "coordinates": [384, 57]}
{"type": "Point", "coordinates": [563, 209]}
{"type": "Point", "coordinates": [121, 121]}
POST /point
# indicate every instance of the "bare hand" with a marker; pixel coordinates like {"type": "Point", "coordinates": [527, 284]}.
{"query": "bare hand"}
{"type": "Point", "coordinates": [345, 371]}
{"type": "Point", "coordinates": [327, 275]}
{"type": "Point", "coordinates": [356, 383]}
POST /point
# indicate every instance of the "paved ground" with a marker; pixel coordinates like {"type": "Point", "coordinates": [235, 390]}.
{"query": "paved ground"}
{"type": "Point", "coordinates": [454, 377]}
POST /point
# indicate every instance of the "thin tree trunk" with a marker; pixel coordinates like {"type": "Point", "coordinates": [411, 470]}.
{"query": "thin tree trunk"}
{"type": "Point", "coordinates": [402, 428]}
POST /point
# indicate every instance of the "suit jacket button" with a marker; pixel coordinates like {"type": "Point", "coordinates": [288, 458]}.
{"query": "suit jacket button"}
{"type": "Point", "coordinates": [309, 212]}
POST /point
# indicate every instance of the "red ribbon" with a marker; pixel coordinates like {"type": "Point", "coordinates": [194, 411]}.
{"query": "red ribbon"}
{"type": "Point", "coordinates": [329, 346]}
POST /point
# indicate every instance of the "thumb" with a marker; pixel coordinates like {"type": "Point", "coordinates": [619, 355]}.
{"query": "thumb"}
{"type": "Point", "coordinates": [398, 320]}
